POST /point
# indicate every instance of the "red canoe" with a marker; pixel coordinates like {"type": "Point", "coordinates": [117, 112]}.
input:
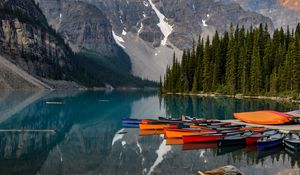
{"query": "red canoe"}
{"type": "Point", "coordinates": [201, 138]}
{"type": "Point", "coordinates": [253, 139]}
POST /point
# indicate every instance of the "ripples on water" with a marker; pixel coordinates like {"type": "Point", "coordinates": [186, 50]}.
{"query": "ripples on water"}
{"type": "Point", "coordinates": [87, 140]}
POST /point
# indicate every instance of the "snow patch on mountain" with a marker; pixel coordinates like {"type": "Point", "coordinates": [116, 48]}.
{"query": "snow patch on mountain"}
{"type": "Point", "coordinates": [119, 40]}
{"type": "Point", "coordinates": [124, 32]}
{"type": "Point", "coordinates": [204, 23]}
{"type": "Point", "coordinates": [141, 28]}
{"type": "Point", "coordinates": [145, 4]}
{"type": "Point", "coordinates": [165, 28]}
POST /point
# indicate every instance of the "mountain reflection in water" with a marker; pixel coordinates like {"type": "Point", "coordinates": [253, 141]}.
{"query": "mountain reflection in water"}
{"type": "Point", "coordinates": [89, 138]}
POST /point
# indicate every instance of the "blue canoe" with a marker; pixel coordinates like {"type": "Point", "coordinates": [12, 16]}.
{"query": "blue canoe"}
{"type": "Point", "coordinates": [128, 125]}
{"type": "Point", "coordinates": [270, 141]}
{"type": "Point", "coordinates": [131, 121]}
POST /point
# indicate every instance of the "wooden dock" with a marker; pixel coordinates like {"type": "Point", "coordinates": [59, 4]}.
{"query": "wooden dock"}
{"type": "Point", "coordinates": [281, 128]}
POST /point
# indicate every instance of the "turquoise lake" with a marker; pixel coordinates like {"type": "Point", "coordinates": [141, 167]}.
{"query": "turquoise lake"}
{"type": "Point", "coordinates": [86, 139]}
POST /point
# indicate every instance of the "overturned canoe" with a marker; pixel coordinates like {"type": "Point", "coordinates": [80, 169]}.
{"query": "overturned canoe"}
{"type": "Point", "coordinates": [264, 117]}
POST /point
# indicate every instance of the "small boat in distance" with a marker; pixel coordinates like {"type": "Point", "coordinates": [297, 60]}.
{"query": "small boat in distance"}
{"type": "Point", "coordinates": [54, 102]}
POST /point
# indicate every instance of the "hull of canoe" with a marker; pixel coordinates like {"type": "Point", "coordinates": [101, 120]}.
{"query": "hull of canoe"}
{"type": "Point", "coordinates": [269, 144]}
{"type": "Point", "coordinates": [146, 132]}
{"type": "Point", "coordinates": [131, 121]}
{"type": "Point", "coordinates": [180, 133]}
{"type": "Point", "coordinates": [201, 138]}
{"type": "Point", "coordinates": [252, 139]}
{"type": "Point", "coordinates": [130, 125]}
{"type": "Point", "coordinates": [157, 126]}
{"type": "Point", "coordinates": [295, 146]}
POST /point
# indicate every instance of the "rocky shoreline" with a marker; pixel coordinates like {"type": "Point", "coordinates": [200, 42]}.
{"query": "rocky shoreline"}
{"type": "Point", "coordinates": [239, 96]}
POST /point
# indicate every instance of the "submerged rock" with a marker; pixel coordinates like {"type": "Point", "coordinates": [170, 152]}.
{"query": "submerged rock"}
{"type": "Point", "coordinates": [225, 170]}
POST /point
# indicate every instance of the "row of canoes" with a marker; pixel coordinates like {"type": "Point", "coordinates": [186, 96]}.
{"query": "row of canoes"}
{"type": "Point", "coordinates": [191, 131]}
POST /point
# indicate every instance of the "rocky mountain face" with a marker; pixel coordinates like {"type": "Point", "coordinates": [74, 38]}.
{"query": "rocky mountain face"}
{"type": "Point", "coordinates": [27, 41]}
{"type": "Point", "coordinates": [282, 12]}
{"type": "Point", "coordinates": [150, 31]}
{"type": "Point", "coordinates": [86, 29]}
{"type": "Point", "coordinates": [34, 55]}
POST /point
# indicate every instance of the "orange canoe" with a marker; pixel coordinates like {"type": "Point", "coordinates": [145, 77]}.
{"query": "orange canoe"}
{"type": "Point", "coordinates": [179, 133]}
{"type": "Point", "coordinates": [264, 117]}
{"type": "Point", "coordinates": [146, 132]}
{"type": "Point", "coordinates": [157, 126]}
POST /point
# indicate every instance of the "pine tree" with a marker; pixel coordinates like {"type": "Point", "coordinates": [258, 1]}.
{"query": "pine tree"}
{"type": "Point", "coordinates": [296, 65]}
{"type": "Point", "coordinates": [195, 83]}
{"type": "Point", "coordinates": [206, 67]}
{"type": "Point", "coordinates": [243, 70]}
{"type": "Point", "coordinates": [255, 71]}
{"type": "Point", "coordinates": [231, 67]}
{"type": "Point", "coordinates": [216, 62]}
{"type": "Point", "coordinates": [267, 65]}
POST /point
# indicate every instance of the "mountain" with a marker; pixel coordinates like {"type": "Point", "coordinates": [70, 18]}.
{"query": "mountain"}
{"type": "Point", "coordinates": [33, 55]}
{"type": "Point", "coordinates": [30, 45]}
{"type": "Point", "coordinates": [150, 31]}
{"type": "Point", "coordinates": [282, 12]}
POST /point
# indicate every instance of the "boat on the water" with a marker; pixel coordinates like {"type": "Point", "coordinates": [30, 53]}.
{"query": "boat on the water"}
{"type": "Point", "coordinates": [207, 137]}
{"type": "Point", "coordinates": [253, 138]}
{"type": "Point", "coordinates": [130, 125]}
{"type": "Point", "coordinates": [270, 141]}
{"type": "Point", "coordinates": [131, 121]}
{"type": "Point", "coordinates": [232, 140]}
{"type": "Point", "coordinates": [202, 138]}
{"type": "Point", "coordinates": [146, 132]}
{"type": "Point", "coordinates": [157, 126]}
{"type": "Point", "coordinates": [292, 141]}
{"type": "Point", "coordinates": [179, 133]}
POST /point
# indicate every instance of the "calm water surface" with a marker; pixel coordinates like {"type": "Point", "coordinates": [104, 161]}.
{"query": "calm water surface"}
{"type": "Point", "coordinates": [86, 140]}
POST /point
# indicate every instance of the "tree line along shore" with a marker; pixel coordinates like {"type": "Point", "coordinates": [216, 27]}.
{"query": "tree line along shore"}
{"type": "Point", "coordinates": [251, 62]}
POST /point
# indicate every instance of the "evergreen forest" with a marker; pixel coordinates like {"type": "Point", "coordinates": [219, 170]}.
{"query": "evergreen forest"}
{"type": "Point", "coordinates": [248, 62]}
